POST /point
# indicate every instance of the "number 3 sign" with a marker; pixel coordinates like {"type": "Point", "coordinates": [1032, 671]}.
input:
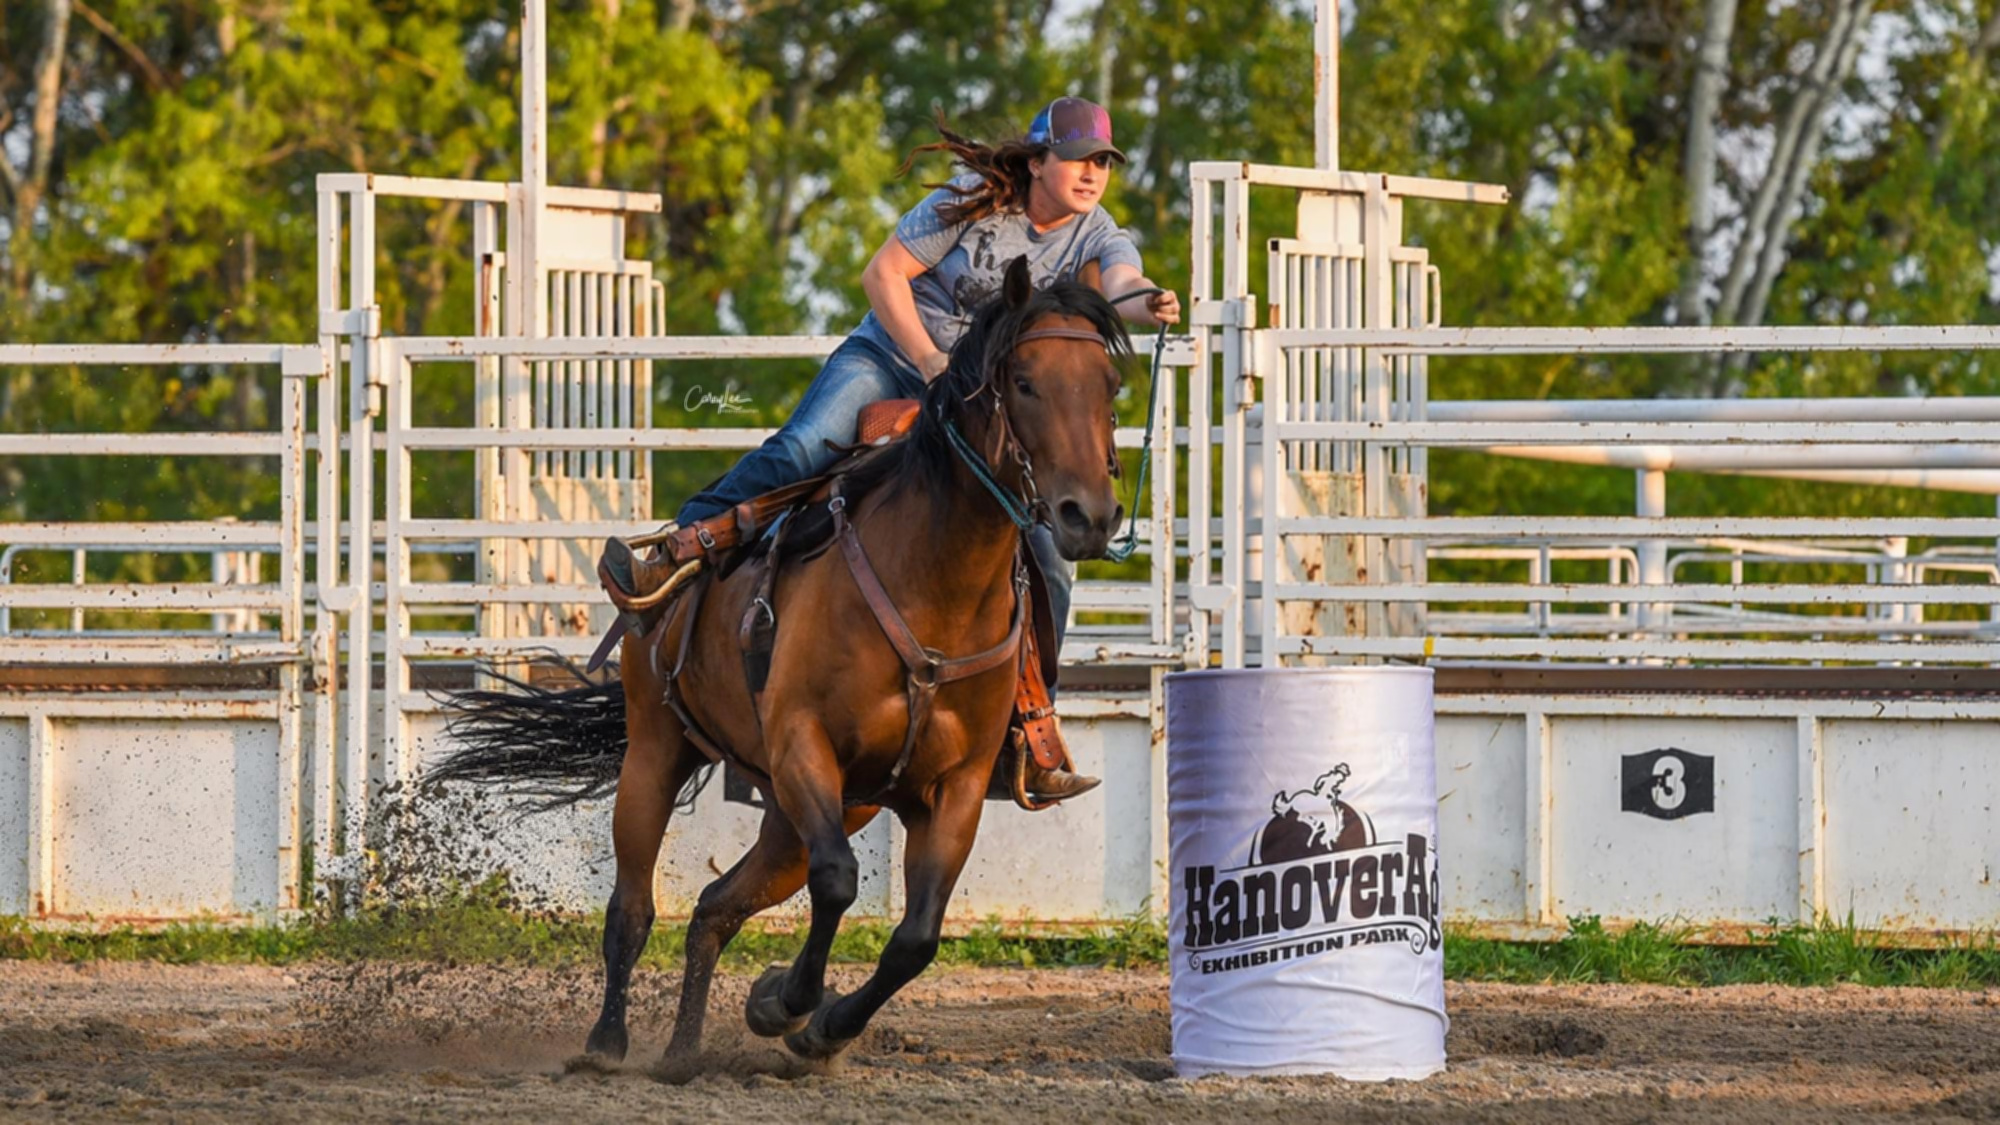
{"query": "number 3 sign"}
{"type": "Point", "coordinates": [1669, 784]}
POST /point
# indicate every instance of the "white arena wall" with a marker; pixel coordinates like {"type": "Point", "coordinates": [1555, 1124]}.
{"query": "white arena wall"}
{"type": "Point", "coordinates": [1881, 810]}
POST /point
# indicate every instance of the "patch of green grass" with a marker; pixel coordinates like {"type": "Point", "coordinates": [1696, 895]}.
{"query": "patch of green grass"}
{"type": "Point", "coordinates": [1827, 954]}
{"type": "Point", "coordinates": [486, 924]}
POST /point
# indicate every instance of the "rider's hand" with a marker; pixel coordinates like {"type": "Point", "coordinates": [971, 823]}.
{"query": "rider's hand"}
{"type": "Point", "coordinates": [933, 365]}
{"type": "Point", "coordinates": [1165, 307]}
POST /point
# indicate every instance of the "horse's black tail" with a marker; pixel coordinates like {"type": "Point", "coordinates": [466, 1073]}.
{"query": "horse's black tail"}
{"type": "Point", "coordinates": [555, 746]}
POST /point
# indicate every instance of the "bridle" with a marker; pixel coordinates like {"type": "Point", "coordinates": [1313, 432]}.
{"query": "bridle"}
{"type": "Point", "coordinates": [1020, 508]}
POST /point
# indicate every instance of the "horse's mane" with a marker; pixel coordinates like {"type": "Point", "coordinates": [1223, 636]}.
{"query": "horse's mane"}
{"type": "Point", "coordinates": [923, 460]}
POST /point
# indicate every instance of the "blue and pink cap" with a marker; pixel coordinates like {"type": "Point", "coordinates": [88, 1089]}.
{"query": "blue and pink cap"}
{"type": "Point", "coordinates": [1074, 129]}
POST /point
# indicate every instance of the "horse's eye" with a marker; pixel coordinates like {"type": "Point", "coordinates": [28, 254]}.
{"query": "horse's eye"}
{"type": "Point", "coordinates": [1025, 387]}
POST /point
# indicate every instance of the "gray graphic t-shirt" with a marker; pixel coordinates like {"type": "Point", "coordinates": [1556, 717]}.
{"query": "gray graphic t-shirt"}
{"type": "Point", "coordinates": [968, 260]}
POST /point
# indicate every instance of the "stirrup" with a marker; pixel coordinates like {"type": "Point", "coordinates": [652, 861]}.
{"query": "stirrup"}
{"type": "Point", "coordinates": [686, 574]}
{"type": "Point", "coordinates": [665, 533]}
{"type": "Point", "coordinates": [620, 578]}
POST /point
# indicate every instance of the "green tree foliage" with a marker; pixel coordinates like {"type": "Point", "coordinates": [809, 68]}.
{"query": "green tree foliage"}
{"type": "Point", "coordinates": [176, 201]}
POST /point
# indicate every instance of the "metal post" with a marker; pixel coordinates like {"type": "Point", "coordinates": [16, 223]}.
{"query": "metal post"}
{"type": "Point", "coordinates": [364, 391]}
{"type": "Point", "coordinates": [1650, 502]}
{"type": "Point", "coordinates": [1237, 398]}
{"type": "Point", "coordinates": [41, 815]}
{"type": "Point", "coordinates": [291, 630]}
{"type": "Point", "coordinates": [1380, 229]}
{"type": "Point", "coordinates": [526, 260]}
{"type": "Point", "coordinates": [326, 570]}
{"type": "Point", "coordinates": [1326, 84]}
{"type": "Point", "coordinates": [397, 754]}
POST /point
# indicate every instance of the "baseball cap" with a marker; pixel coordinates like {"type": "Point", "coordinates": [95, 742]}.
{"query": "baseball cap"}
{"type": "Point", "coordinates": [1074, 129]}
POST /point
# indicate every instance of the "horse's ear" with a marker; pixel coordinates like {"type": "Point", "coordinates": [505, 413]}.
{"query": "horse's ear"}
{"type": "Point", "coordinates": [1019, 285]}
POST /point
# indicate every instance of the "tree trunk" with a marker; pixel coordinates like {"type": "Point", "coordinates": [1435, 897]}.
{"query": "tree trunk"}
{"type": "Point", "coordinates": [784, 213]}
{"type": "Point", "coordinates": [1102, 52]}
{"type": "Point", "coordinates": [600, 129]}
{"type": "Point", "coordinates": [1804, 158]}
{"type": "Point", "coordinates": [28, 190]}
{"type": "Point", "coordinates": [1804, 115]}
{"type": "Point", "coordinates": [1983, 45]}
{"type": "Point", "coordinates": [1704, 106]}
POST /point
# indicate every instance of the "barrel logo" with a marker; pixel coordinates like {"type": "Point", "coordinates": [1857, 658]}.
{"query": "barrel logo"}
{"type": "Point", "coordinates": [1319, 880]}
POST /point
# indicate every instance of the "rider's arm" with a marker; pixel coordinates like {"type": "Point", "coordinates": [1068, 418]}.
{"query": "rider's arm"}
{"type": "Point", "coordinates": [1155, 311]}
{"type": "Point", "coordinates": [887, 283]}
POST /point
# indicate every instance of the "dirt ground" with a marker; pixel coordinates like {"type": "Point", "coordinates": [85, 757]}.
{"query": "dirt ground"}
{"type": "Point", "coordinates": [381, 1041]}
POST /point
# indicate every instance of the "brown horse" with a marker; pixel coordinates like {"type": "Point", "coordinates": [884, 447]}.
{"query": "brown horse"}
{"type": "Point", "coordinates": [1021, 422]}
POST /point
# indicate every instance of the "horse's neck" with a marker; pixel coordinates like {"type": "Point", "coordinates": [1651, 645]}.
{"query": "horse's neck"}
{"type": "Point", "coordinates": [952, 545]}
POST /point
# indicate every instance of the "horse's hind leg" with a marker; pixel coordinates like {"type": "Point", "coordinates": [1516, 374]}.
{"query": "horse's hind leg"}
{"type": "Point", "coordinates": [659, 760]}
{"type": "Point", "coordinates": [772, 871]}
{"type": "Point", "coordinates": [938, 843]}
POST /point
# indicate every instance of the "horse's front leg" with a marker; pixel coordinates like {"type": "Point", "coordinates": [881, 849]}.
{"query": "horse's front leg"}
{"type": "Point", "coordinates": [806, 781]}
{"type": "Point", "coordinates": [769, 873]}
{"type": "Point", "coordinates": [939, 842]}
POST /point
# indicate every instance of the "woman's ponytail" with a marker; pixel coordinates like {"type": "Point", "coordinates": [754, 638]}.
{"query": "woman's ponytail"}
{"type": "Point", "coordinates": [1002, 169]}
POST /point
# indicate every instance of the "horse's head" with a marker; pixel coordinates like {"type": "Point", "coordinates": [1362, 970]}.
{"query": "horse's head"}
{"type": "Point", "coordinates": [1049, 367]}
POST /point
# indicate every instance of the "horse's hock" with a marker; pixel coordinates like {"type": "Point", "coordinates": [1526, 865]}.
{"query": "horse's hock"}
{"type": "Point", "coordinates": [1725, 718]}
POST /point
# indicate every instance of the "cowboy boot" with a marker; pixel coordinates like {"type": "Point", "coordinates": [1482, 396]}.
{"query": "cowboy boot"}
{"type": "Point", "coordinates": [1058, 784]}
{"type": "Point", "coordinates": [1053, 784]}
{"type": "Point", "coordinates": [626, 576]}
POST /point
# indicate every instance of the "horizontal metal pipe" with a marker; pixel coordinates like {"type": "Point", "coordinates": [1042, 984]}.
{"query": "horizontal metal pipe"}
{"type": "Point", "coordinates": [1641, 527]}
{"type": "Point", "coordinates": [160, 535]}
{"type": "Point", "coordinates": [1596, 649]}
{"type": "Point", "coordinates": [1597, 592]}
{"type": "Point", "coordinates": [161, 596]}
{"type": "Point", "coordinates": [1970, 409]}
{"type": "Point", "coordinates": [1738, 434]}
{"type": "Point", "coordinates": [613, 347]}
{"type": "Point", "coordinates": [137, 355]}
{"type": "Point", "coordinates": [143, 445]}
{"type": "Point", "coordinates": [1960, 468]}
{"type": "Point", "coordinates": [1644, 341]}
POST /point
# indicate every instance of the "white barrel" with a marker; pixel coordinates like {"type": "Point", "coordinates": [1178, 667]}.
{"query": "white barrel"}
{"type": "Point", "coordinates": [1302, 817]}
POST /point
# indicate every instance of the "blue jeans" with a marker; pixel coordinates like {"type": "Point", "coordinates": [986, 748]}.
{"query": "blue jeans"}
{"type": "Point", "coordinates": [856, 374]}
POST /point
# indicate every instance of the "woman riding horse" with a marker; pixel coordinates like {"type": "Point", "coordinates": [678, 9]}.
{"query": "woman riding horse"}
{"type": "Point", "coordinates": [898, 631]}
{"type": "Point", "coordinates": [1036, 197]}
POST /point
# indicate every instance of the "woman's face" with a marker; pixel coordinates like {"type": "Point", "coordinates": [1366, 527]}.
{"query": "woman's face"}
{"type": "Point", "coordinates": [1072, 187]}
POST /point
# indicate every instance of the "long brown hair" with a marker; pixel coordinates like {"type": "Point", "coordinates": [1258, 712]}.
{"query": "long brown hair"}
{"type": "Point", "coordinates": [1002, 168]}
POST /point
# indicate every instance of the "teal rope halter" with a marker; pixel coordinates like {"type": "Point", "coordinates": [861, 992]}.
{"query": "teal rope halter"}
{"type": "Point", "coordinates": [1009, 503]}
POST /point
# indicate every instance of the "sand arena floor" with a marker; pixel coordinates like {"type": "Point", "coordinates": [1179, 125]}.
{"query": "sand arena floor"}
{"type": "Point", "coordinates": [387, 1042]}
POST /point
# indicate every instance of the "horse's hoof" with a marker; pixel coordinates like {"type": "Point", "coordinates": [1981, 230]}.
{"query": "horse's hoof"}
{"type": "Point", "coordinates": [590, 1063]}
{"type": "Point", "coordinates": [678, 1068]}
{"type": "Point", "coordinates": [606, 1044]}
{"type": "Point", "coordinates": [765, 1010]}
{"type": "Point", "coordinates": [812, 1042]}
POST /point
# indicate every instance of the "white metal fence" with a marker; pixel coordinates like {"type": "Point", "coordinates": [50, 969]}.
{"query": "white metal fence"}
{"type": "Point", "coordinates": [247, 622]}
{"type": "Point", "coordinates": [1288, 521]}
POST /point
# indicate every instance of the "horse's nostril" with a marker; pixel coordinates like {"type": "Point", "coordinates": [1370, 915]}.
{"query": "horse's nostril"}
{"type": "Point", "coordinates": [1117, 516]}
{"type": "Point", "coordinates": [1072, 515]}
